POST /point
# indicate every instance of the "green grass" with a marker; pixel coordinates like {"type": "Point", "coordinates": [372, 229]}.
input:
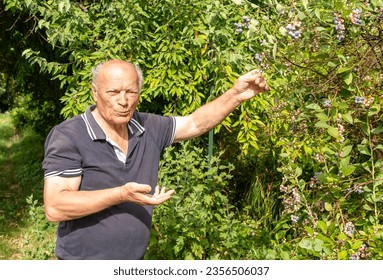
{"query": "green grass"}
{"type": "Point", "coordinates": [20, 177]}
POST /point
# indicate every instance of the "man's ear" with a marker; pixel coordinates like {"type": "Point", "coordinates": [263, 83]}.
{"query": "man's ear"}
{"type": "Point", "coordinates": [94, 92]}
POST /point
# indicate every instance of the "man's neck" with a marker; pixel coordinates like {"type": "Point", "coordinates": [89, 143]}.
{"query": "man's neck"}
{"type": "Point", "coordinates": [118, 133]}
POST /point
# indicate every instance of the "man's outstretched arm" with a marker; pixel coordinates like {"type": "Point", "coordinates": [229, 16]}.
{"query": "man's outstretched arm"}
{"type": "Point", "coordinates": [211, 114]}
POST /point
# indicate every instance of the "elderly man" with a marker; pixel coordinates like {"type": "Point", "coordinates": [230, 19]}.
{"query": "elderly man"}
{"type": "Point", "coordinates": [101, 167]}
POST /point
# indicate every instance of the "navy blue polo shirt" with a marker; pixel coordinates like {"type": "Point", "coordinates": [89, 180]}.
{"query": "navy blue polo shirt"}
{"type": "Point", "coordinates": [79, 147]}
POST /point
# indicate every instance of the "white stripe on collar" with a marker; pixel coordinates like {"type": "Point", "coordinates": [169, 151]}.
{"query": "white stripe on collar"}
{"type": "Point", "coordinates": [134, 122]}
{"type": "Point", "coordinates": [91, 133]}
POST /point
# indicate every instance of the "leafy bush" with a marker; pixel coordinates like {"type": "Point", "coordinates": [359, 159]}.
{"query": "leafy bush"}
{"type": "Point", "coordinates": [38, 235]}
{"type": "Point", "coordinates": [199, 222]}
{"type": "Point", "coordinates": [39, 238]}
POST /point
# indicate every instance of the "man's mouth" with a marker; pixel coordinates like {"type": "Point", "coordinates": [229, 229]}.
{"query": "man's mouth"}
{"type": "Point", "coordinates": [125, 113]}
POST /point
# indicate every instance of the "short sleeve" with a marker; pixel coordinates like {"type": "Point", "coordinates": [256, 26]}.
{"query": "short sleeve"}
{"type": "Point", "coordinates": [162, 129]}
{"type": "Point", "coordinates": [61, 157]}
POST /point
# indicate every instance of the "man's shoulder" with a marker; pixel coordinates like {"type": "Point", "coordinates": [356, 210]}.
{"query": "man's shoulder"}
{"type": "Point", "coordinates": [145, 118]}
{"type": "Point", "coordinates": [72, 125]}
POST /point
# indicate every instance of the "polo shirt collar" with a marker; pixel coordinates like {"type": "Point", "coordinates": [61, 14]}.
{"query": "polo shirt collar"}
{"type": "Point", "coordinates": [95, 131]}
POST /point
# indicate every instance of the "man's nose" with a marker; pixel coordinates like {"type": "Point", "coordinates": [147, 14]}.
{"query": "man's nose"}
{"type": "Point", "coordinates": [123, 98]}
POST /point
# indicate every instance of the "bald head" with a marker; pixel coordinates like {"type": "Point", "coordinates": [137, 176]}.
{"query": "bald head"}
{"type": "Point", "coordinates": [115, 65]}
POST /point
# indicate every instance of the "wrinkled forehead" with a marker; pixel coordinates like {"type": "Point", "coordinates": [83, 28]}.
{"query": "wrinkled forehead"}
{"type": "Point", "coordinates": [118, 73]}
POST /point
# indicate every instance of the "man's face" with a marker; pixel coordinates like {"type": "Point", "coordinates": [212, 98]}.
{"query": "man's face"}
{"type": "Point", "coordinates": [116, 92]}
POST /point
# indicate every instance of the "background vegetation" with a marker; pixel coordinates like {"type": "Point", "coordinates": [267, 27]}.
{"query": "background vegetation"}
{"type": "Point", "coordinates": [296, 173]}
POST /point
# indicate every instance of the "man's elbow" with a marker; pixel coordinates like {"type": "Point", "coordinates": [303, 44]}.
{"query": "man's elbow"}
{"type": "Point", "coordinates": [52, 215]}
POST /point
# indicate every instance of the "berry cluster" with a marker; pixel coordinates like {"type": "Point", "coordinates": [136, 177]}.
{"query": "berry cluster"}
{"type": "Point", "coordinates": [327, 103]}
{"type": "Point", "coordinates": [319, 158]}
{"type": "Point", "coordinates": [355, 16]}
{"type": "Point", "coordinates": [294, 218]}
{"type": "Point", "coordinates": [341, 128]}
{"type": "Point", "coordinates": [339, 26]}
{"type": "Point", "coordinates": [361, 254]}
{"type": "Point", "coordinates": [354, 257]}
{"type": "Point", "coordinates": [291, 200]}
{"type": "Point", "coordinates": [293, 29]}
{"type": "Point", "coordinates": [359, 100]}
{"type": "Point", "coordinates": [363, 100]}
{"type": "Point", "coordinates": [240, 25]}
{"type": "Point", "coordinates": [261, 58]}
{"type": "Point", "coordinates": [314, 181]}
{"type": "Point", "coordinates": [349, 229]}
{"type": "Point", "coordinates": [355, 189]}
{"type": "Point", "coordinates": [258, 57]}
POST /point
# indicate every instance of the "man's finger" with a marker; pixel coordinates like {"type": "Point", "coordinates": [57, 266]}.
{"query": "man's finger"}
{"type": "Point", "coordinates": [140, 188]}
{"type": "Point", "coordinates": [157, 190]}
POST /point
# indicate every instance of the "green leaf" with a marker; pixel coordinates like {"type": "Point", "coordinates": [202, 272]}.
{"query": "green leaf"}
{"type": "Point", "coordinates": [348, 170]}
{"type": "Point", "coordinates": [364, 150]}
{"type": "Point", "coordinates": [322, 116]}
{"type": "Point", "coordinates": [365, 129]}
{"type": "Point", "coordinates": [348, 118]}
{"type": "Point", "coordinates": [346, 151]}
{"type": "Point", "coordinates": [283, 31]}
{"type": "Point", "coordinates": [298, 172]}
{"type": "Point", "coordinates": [342, 255]}
{"type": "Point", "coordinates": [306, 244]}
{"type": "Point", "coordinates": [342, 236]}
{"type": "Point", "coordinates": [285, 255]}
{"type": "Point", "coordinates": [313, 106]}
{"type": "Point", "coordinates": [328, 207]}
{"type": "Point", "coordinates": [367, 207]}
{"type": "Point", "coordinates": [322, 226]}
{"type": "Point", "coordinates": [357, 244]}
{"type": "Point", "coordinates": [343, 69]}
{"type": "Point", "coordinates": [309, 230]}
{"type": "Point", "coordinates": [348, 79]}
{"type": "Point", "coordinates": [318, 245]}
{"type": "Point", "coordinates": [333, 131]}
{"type": "Point", "coordinates": [321, 124]}
{"type": "Point", "coordinates": [375, 109]}
{"type": "Point", "coordinates": [377, 130]}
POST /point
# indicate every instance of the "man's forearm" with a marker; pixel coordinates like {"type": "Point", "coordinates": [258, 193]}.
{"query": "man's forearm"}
{"type": "Point", "coordinates": [214, 112]}
{"type": "Point", "coordinates": [69, 205]}
{"type": "Point", "coordinates": [206, 117]}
